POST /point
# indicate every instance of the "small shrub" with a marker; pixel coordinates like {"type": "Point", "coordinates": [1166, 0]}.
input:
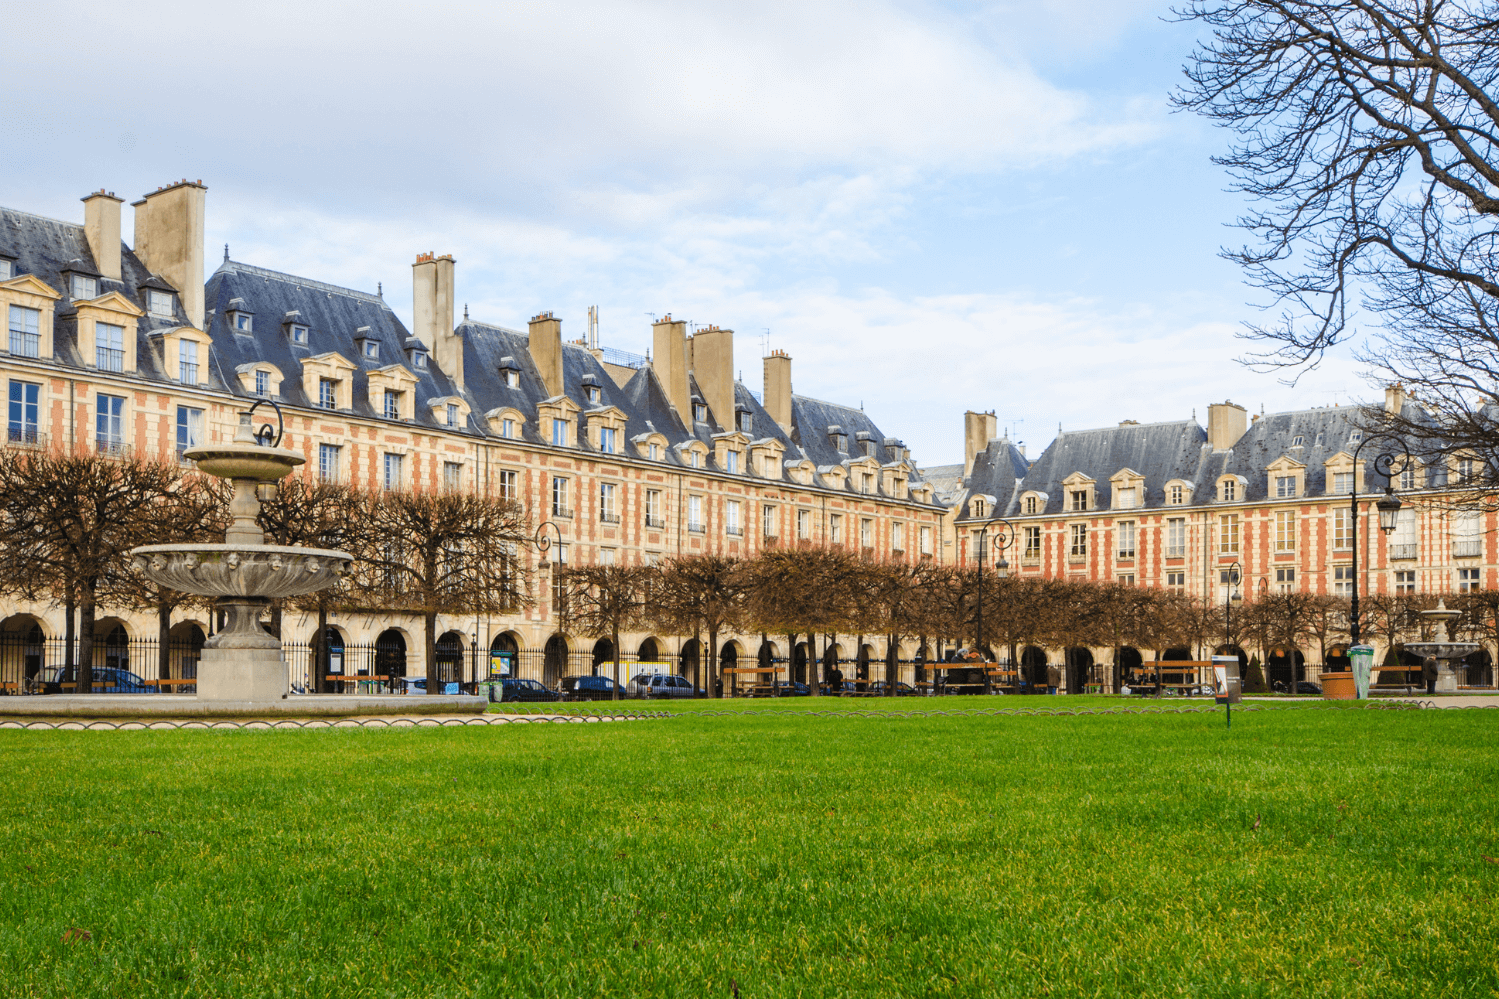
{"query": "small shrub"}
{"type": "Point", "coordinates": [1254, 680]}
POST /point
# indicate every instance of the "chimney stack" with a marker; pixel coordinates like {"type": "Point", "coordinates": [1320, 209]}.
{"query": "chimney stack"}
{"type": "Point", "coordinates": [1227, 422]}
{"type": "Point", "coordinates": [1394, 399]}
{"type": "Point", "coordinates": [978, 430]}
{"type": "Point", "coordinates": [669, 360]}
{"type": "Point", "coordinates": [432, 312]}
{"type": "Point", "coordinates": [778, 388]}
{"type": "Point", "coordinates": [101, 227]}
{"type": "Point", "coordinates": [546, 351]}
{"type": "Point", "coordinates": [712, 354]}
{"type": "Point", "coordinates": [169, 240]}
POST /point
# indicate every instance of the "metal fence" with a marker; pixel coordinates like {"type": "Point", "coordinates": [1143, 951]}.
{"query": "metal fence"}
{"type": "Point", "coordinates": [29, 659]}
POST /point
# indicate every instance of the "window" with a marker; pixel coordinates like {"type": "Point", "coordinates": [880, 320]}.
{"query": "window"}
{"type": "Point", "coordinates": [327, 394]}
{"type": "Point", "coordinates": [1407, 478]}
{"type": "Point", "coordinates": [1467, 580]}
{"type": "Point", "coordinates": [299, 335]}
{"type": "Point", "coordinates": [392, 404]}
{"type": "Point", "coordinates": [1228, 582]}
{"type": "Point", "coordinates": [607, 512]}
{"type": "Point", "coordinates": [699, 412]}
{"type": "Point", "coordinates": [262, 382]}
{"type": "Point", "coordinates": [1464, 470]}
{"type": "Point", "coordinates": [1228, 534]}
{"type": "Point", "coordinates": [1342, 529]}
{"type": "Point", "coordinates": [898, 537]}
{"type": "Point", "coordinates": [453, 417]}
{"type": "Point", "coordinates": [866, 533]}
{"type": "Point", "coordinates": [189, 428]}
{"type": "Point", "coordinates": [1127, 578]}
{"type": "Point", "coordinates": [1079, 541]}
{"type": "Point", "coordinates": [84, 287]}
{"type": "Point", "coordinates": [1176, 495]}
{"type": "Point", "coordinates": [1285, 486]}
{"type": "Point", "coordinates": [697, 459]}
{"type": "Point", "coordinates": [747, 423]}
{"type": "Point", "coordinates": [1356, 436]}
{"type": "Point", "coordinates": [732, 524]}
{"type": "Point", "coordinates": [187, 362]}
{"type": "Point", "coordinates": [452, 476]}
{"type": "Point", "coordinates": [1403, 541]}
{"type": "Point", "coordinates": [731, 461]}
{"type": "Point", "coordinates": [24, 412]}
{"type": "Point", "coordinates": [1128, 498]}
{"type": "Point", "coordinates": [1285, 530]}
{"type": "Point", "coordinates": [926, 540]}
{"type": "Point", "coordinates": [5, 269]}
{"type": "Point", "coordinates": [508, 487]}
{"type": "Point", "coordinates": [419, 359]}
{"type": "Point", "coordinates": [1176, 537]}
{"type": "Point", "coordinates": [804, 524]}
{"type": "Point", "coordinates": [1176, 579]}
{"type": "Point", "coordinates": [653, 516]}
{"type": "Point", "coordinates": [1031, 506]}
{"type": "Point", "coordinates": [372, 349]}
{"type": "Point", "coordinates": [559, 433]}
{"type": "Point", "coordinates": [868, 483]}
{"type": "Point", "coordinates": [978, 507]}
{"type": "Point", "coordinates": [109, 347]}
{"type": "Point", "coordinates": [1032, 543]}
{"type": "Point", "coordinates": [1080, 499]}
{"type": "Point", "coordinates": [25, 331]}
{"type": "Point", "coordinates": [327, 462]}
{"type": "Point", "coordinates": [395, 468]}
{"type": "Point", "coordinates": [1298, 441]}
{"type": "Point", "coordinates": [109, 425]}
{"type": "Point", "coordinates": [1285, 580]}
{"type": "Point", "coordinates": [1342, 483]}
{"type": "Point", "coordinates": [1230, 490]}
{"type": "Point", "coordinates": [1127, 539]}
{"type": "Point", "coordinates": [1405, 581]}
{"type": "Point", "coordinates": [695, 514]}
{"type": "Point", "coordinates": [593, 393]}
{"type": "Point", "coordinates": [559, 497]}
{"type": "Point", "coordinates": [768, 521]}
{"type": "Point", "coordinates": [607, 556]}
{"type": "Point", "coordinates": [1466, 530]}
{"type": "Point", "coordinates": [1342, 580]}
{"type": "Point", "coordinates": [653, 451]}
{"type": "Point", "coordinates": [242, 323]}
{"type": "Point", "coordinates": [835, 528]}
{"type": "Point", "coordinates": [606, 440]}
{"type": "Point", "coordinates": [159, 303]}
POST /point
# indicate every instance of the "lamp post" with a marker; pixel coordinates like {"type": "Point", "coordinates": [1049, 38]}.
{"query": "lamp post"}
{"type": "Point", "coordinates": [1003, 538]}
{"type": "Point", "coordinates": [1388, 506]}
{"type": "Point", "coordinates": [1230, 597]}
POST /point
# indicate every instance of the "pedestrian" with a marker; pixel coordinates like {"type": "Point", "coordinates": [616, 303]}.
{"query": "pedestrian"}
{"type": "Point", "coordinates": [1053, 678]}
{"type": "Point", "coordinates": [1429, 673]}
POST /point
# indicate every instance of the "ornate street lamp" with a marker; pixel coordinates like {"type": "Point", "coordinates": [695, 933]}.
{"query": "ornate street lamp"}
{"type": "Point", "coordinates": [1230, 597]}
{"type": "Point", "coordinates": [1361, 656]}
{"type": "Point", "coordinates": [1003, 538]}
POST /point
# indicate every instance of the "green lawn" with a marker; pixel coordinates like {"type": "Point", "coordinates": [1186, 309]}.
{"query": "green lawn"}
{"type": "Point", "coordinates": [792, 854]}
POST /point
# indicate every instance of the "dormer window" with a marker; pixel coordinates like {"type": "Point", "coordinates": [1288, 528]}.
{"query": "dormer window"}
{"type": "Point", "coordinates": [731, 461]}
{"type": "Point", "coordinates": [1230, 490]}
{"type": "Point", "coordinates": [746, 422]}
{"type": "Point", "coordinates": [262, 382]}
{"type": "Point", "coordinates": [1031, 505]}
{"type": "Point", "coordinates": [327, 396]}
{"type": "Point", "coordinates": [187, 362]}
{"type": "Point", "coordinates": [1079, 499]}
{"type": "Point", "coordinates": [1356, 436]}
{"type": "Point", "coordinates": [419, 359]}
{"type": "Point", "coordinates": [452, 414]}
{"type": "Point", "coordinates": [392, 404]}
{"type": "Point", "coordinates": [699, 412]}
{"type": "Point", "coordinates": [1285, 486]}
{"type": "Point", "coordinates": [7, 269]}
{"type": "Point", "coordinates": [84, 287]}
{"type": "Point", "coordinates": [371, 350]}
{"type": "Point", "coordinates": [840, 441]}
{"type": "Point", "coordinates": [1298, 441]}
{"type": "Point", "coordinates": [653, 451]}
{"type": "Point", "coordinates": [1176, 495]}
{"type": "Point", "coordinates": [978, 508]}
{"type": "Point", "coordinates": [606, 440]}
{"type": "Point", "coordinates": [507, 428]}
{"type": "Point", "coordinates": [696, 459]}
{"type": "Point", "coordinates": [593, 393]}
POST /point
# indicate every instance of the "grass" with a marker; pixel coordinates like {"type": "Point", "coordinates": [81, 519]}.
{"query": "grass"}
{"type": "Point", "coordinates": [1303, 853]}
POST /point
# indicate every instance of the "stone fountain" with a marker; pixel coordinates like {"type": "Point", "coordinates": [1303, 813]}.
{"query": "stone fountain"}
{"type": "Point", "coordinates": [1445, 651]}
{"type": "Point", "coordinates": [242, 670]}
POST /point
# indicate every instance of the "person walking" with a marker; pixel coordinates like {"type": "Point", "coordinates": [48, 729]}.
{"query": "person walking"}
{"type": "Point", "coordinates": [1053, 678]}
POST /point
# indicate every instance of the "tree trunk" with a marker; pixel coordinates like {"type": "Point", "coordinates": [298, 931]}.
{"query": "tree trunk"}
{"type": "Point", "coordinates": [163, 649]}
{"type": "Point", "coordinates": [85, 639]}
{"type": "Point", "coordinates": [814, 664]}
{"type": "Point", "coordinates": [892, 674]}
{"type": "Point", "coordinates": [69, 629]}
{"type": "Point", "coordinates": [429, 641]}
{"type": "Point", "coordinates": [614, 637]}
{"type": "Point", "coordinates": [324, 658]}
{"type": "Point", "coordinates": [713, 662]}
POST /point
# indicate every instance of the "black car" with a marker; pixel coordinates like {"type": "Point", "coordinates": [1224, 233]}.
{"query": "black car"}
{"type": "Point", "coordinates": [107, 680]}
{"type": "Point", "coordinates": [1302, 687]}
{"type": "Point", "coordinates": [590, 688]}
{"type": "Point", "coordinates": [513, 688]}
{"type": "Point", "coordinates": [902, 689]}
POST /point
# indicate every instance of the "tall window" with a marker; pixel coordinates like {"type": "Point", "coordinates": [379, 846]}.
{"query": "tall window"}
{"type": "Point", "coordinates": [1285, 530]}
{"type": "Point", "coordinates": [159, 303]}
{"type": "Point", "coordinates": [1228, 534]}
{"type": "Point", "coordinates": [84, 287]}
{"type": "Point", "coordinates": [508, 487]}
{"type": "Point", "coordinates": [512, 378]}
{"type": "Point", "coordinates": [868, 484]}
{"type": "Point", "coordinates": [395, 469]}
{"type": "Point", "coordinates": [1285, 486]}
{"type": "Point", "coordinates": [607, 513]}
{"type": "Point", "coordinates": [1031, 506]}
{"type": "Point", "coordinates": [1342, 483]}
{"type": "Point", "coordinates": [559, 433]}
{"type": "Point", "coordinates": [109, 347]}
{"type": "Point", "coordinates": [1080, 499]}
{"type": "Point", "coordinates": [1465, 470]}
{"type": "Point", "coordinates": [327, 395]}
{"type": "Point", "coordinates": [1403, 541]}
{"type": "Point", "coordinates": [189, 428]}
{"type": "Point", "coordinates": [392, 404]}
{"type": "Point", "coordinates": [978, 508]}
{"type": "Point", "coordinates": [1127, 539]}
{"type": "Point", "coordinates": [507, 428]}
{"type": "Point", "coordinates": [187, 362]}
{"type": "Point", "coordinates": [1342, 580]}
{"type": "Point", "coordinates": [866, 532]}
{"type": "Point", "coordinates": [1032, 542]}
{"type": "Point", "coordinates": [926, 540]}
{"type": "Point", "coordinates": [1466, 530]}
{"type": "Point", "coordinates": [1230, 490]}
{"type": "Point", "coordinates": [109, 425]}
{"type": "Point", "coordinates": [732, 523]}
{"type": "Point", "coordinates": [898, 536]}
{"type": "Point", "coordinates": [731, 462]}
{"type": "Point", "coordinates": [24, 410]}
{"type": "Point", "coordinates": [1405, 581]}
{"type": "Point", "coordinates": [1128, 498]}
{"type": "Point", "coordinates": [804, 524]}
{"type": "Point", "coordinates": [1285, 580]}
{"type": "Point", "coordinates": [606, 439]}
{"type": "Point", "coordinates": [559, 497]}
{"type": "Point", "coordinates": [453, 414]}
{"type": "Point", "coordinates": [697, 459]}
{"type": "Point", "coordinates": [262, 382]}
{"type": "Point", "coordinates": [452, 476]}
{"type": "Point", "coordinates": [653, 516]}
{"type": "Point", "coordinates": [25, 331]}
{"type": "Point", "coordinates": [1342, 528]}
{"type": "Point", "coordinates": [653, 451]}
{"type": "Point", "coordinates": [1079, 540]}
{"type": "Point", "coordinates": [1176, 495]}
{"type": "Point", "coordinates": [1176, 537]}
{"type": "Point", "coordinates": [1407, 478]}
{"type": "Point", "coordinates": [1468, 581]}
{"type": "Point", "coordinates": [695, 513]}
{"type": "Point", "coordinates": [768, 521]}
{"type": "Point", "coordinates": [699, 413]}
{"type": "Point", "coordinates": [327, 462]}
{"type": "Point", "coordinates": [835, 528]}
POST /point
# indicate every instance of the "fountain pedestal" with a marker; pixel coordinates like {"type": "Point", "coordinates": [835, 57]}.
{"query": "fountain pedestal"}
{"type": "Point", "coordinates": [1446, 652]}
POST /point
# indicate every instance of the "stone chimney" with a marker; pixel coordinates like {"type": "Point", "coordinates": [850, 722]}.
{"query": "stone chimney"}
{"type": "Point", "coordinates": [978, 430]}
{"type": "Point", "coordinates": [1394, 399]}
{"type": "Point", "coordinates": [101, 227]}
{"type": "Point", "coordinates": [669, 359]}
{"type": "Point", "coordinates": [546, 351]}
{"type": "Point", "coordinates": [169, 240]}
{"type": "Point", "coordinates": [1227, 422]}
{"type": "Point", "coordinates": [432, 312]}
{"type": "Point", "coordinates": [778, 388]}
{"type": "Point", "coordinates": [712, 356]}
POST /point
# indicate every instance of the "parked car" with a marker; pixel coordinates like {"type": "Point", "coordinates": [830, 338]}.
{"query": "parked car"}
{"type": "Point", "coordinates": [902, 689]}
{"type": "Point", "coordinates": [418, 685]}
{"type": "Point", "coordinates": [107, 680]}
{"type": "Point", "coordinates": [660, 685]}
{"type": "Point", "coordinates": [1302, 687]}
{"type": "Point", "coordinates": [789, 688]}
{"type": "Point", "coordinates": [513, 688]}
{"type": "Point", "coordinates": [590, 688]}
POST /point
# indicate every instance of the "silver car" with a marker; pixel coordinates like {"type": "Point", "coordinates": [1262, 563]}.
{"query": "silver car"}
{"type": "Point", "coordinates": [658, 685]}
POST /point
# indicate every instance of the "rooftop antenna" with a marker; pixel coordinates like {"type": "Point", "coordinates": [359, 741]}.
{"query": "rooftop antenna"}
{"type": "Point", "coordinates": [226, 253]}
{"type": "Point", "coordinates": [465, 312]}
{"type": "Point", "coordinates": [765, 341]}
{"type": "Point", "coordinates": [380, 289]}
{"type": "Point", "coordinates": [593, 327]}
{"type": "Point", "coordinates": [653, 317]}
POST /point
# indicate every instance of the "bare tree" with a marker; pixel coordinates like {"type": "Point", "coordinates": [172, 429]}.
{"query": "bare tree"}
{"type": "Point", "coordinates": [799, 590]}
{"type": "Point", "coordinates": [701, 592]}
{"type": "Point", "coordinates": [606, 600]}
{"type": "Point", "coordinates": [892, 596]}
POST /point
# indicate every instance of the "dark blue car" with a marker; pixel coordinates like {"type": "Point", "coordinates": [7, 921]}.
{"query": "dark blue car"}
{"type": "Point", "coordinates": [590, 688]}
{"type": "Point", "coordinates": [107, 680]}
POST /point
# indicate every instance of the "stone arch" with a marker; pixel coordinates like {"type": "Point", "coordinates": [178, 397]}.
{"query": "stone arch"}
{"type": "Point", "coordinates": [1033, 664]}
{"type": "Point", "coordinates": [504, 654]}
{"type": "Point", "coordinates": [861, 662]}
{"type": "Point", "coordinates": [111, 643]}
{"type": "Point", "coordinates": [23, 649]}
{"type": "Point", "coordinates": [799, 663]}
{"type": "Point", "coordinates": [1079, 668]}
{"type": "Point", "coordinates": [554, 660]}
{"type": "Point", "coordinates": [1130, 662]}
{"type": "Point", "coordinates": [690, 662]}
{"type": "Point", "coordinates": [728, 658]}
{"type": "Point", "coordinates": [447, 657]}
{"type": "Point", "coordinates": [650, 651]}
{"type": "Point", "coordinates": [185, 650]}
{"type": "Point", "coordinates": [1284, 664]}
{"type": "Point", "coordinates": [603, 656]}
{"type": "Point", "coordinates": [390, 655]}
{"type": "Point", "coordinates": [1476, 669]}
{"type": "Point", "coordinates": [1177, 655]}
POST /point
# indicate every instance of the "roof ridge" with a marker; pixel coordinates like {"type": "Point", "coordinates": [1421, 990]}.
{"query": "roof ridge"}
{"type": "Point", "coordinates": [491, 326]}
{"type": "Point", "coordinates": [44, 218]}
{"type": "Point", "coordinates": [236, 267]}
{"type": "Point", "coordinates": [1125, 426]}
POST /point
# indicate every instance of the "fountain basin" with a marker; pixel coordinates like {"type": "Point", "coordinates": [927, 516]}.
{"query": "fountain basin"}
{"type": "Point", "coordinates": [268, 571]}
{"type": "Point", "coordinates": [1441, 650]}
{"type": "Point", "coordinates": [238, 460]}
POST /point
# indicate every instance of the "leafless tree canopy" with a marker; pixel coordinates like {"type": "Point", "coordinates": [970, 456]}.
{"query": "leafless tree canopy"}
{"type": "Point", "coordinates": [607, 600]}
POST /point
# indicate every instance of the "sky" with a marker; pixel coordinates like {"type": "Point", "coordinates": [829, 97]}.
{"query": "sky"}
{"type": "Point", "coordinates": [931, 207]}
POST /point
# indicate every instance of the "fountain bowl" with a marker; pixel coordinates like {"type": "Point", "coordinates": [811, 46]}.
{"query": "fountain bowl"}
{"type": "Point", "coordinates": [267, 571]}
{"type": "Point", "coordinates": [240, 460]}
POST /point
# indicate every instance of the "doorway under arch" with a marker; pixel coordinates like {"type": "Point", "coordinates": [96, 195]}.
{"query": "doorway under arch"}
{"type": "Point", "coordinates": [650, 651]}
{"type": "Point", "coordinates": [861, 666]}
{"type": "Point", "coordinates": [1286, 665]}
{"type": "Point", "coordinates": [1476, 669]}
{"type": "Point", "coordinates": [603, 657]}
{"type": "Point", "coordinates": [185, 650]}
{"type": "Point", "coordinates": [690, 665]}
{"type": "Point", "coordinates": [554, 660]}
{"type": "Point", "coordinates": [24, 649]}
{"type": "Point", "coordinates": [448, 658]}
{"type": "Point", "coordinates": [1079, 669]}
{"type": "Point", "coordinates": [390, 656]}
{"type": "Point", "coordinates": [1033, 664]}
{"type": "Point", "coordinates": [799, 663]}
{"type": "Point", "coordinates": [728, 658]}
